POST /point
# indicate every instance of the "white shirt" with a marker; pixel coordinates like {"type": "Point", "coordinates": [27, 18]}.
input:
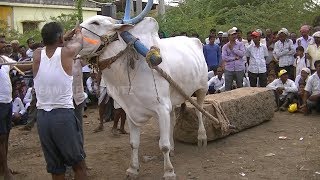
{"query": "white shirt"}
{"type": "Point", "coordinates": [217, 83]}
{"type": "Point", "coordinates": [91, 85]}
{"type": "Point", "coordinates": [27, 98]}
{"type": "Point", "coordinates": [314, 51]}
{"type": "Point", "coordinates": [284, 52]}
{"type": "Point", "coordinates": [305, 43]}
{"type": "Point", "coordinates": [313, 84]}
{"type": "Point", "coordinates": [86, 69]}
{"type": "Point", "coordinates": [29, 53]}
{"type": "Point", "coordinates": [300, 63]}
{"type": "Point", "coordinates": [216, 41]}
{"type": "Point", "coordinates": [289, 86]}
{"type": "Point", "coordinates": [210, 75]}
{"type": "Point", "coordinates": [5, 82]}
{"type": "Point", "coordinates": [17, 106]}
{"type": "Point", "coordinates": [257, 55]}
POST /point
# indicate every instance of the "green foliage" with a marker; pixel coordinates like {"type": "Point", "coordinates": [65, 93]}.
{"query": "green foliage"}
{"type": "Point", "coordinates": [68, 21]}
{"type": "Point", "coordinates": [15, 35]}
{"type": "Point", "coordinates": [202, 15]}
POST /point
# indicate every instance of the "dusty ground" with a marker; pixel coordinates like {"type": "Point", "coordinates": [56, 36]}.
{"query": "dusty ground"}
{"type": "Point", "coordinates": [227, 158]}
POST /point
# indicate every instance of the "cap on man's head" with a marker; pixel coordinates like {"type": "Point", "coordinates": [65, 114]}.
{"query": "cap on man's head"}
{"type": "Point", "coordinates": [231, 31]}
{"type": "Point", "coordinates": [259, 31]}
{"type": "Point", "coordinates": [255, 34]}
{"type": "Point", "coordinates": [316, 34]}
{"type": "Point", "coordinates": [234, 28]}
{"type": "Point", "coordinates": [282, 72]}
{"type": "Point", "coordinates": [225, 35]}
{"type": "Point", "coordinates": [307, 70]}
{"type": "Point", "coordinates": [220, 32]}
{"type": "Point", "coordinates": [283, 30]}
{"type": "Point", "coordinates": [14, 42]}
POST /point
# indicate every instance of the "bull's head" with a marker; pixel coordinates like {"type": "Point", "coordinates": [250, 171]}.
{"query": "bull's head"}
{"type": "Point", "coordinates": [98, 31]}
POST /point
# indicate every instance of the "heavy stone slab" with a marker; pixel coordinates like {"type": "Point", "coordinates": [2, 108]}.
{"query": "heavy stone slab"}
{"type": "Point", "coordinates": [244, 107]}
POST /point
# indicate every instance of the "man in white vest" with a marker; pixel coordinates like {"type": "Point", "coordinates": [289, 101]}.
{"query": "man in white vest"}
{"type": "Point", "coordinates": [59, 129]}
{"type": "Point", "coordinates": [6, 109]}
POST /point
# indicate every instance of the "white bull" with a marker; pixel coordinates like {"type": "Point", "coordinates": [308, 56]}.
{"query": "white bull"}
{"type": "Point", "coordinates": [182, 59]}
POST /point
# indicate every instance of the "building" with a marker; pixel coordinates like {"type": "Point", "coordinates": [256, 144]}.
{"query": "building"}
{"type": "Point", "coordinates": [25, 15]}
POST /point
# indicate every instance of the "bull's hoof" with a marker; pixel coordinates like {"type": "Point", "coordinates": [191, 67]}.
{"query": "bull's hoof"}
{"type": "Point", "coordinates": [132, 174]}
{"type": "Point", "coordinates": [202, 143]}
{"type": "Point", "coordinates": [169, 176]}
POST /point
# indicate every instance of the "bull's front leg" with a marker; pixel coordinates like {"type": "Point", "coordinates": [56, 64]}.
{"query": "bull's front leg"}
{"type": "Point", "coordinates": [164, 144]}
{"type": "Point", "coordinates": [172, 124]}
{"type": "Point", "coordinates": [133, 170]}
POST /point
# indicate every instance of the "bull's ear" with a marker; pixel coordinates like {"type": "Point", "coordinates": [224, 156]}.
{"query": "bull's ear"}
{"type": "Point", "coordinates": [123, 27]}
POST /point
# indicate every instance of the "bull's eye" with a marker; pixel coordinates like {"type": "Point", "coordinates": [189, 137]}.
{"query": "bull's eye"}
{"type": "Point", "coordinates": [95, 23]}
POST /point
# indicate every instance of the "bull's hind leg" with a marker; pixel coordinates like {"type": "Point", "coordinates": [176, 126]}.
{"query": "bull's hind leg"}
{"type": "Point", "coordinates": [133, 170]}
{"type": "Point", "coordinates": [164, 143]}
{"type": "Point", "coordinates": [202, 135]}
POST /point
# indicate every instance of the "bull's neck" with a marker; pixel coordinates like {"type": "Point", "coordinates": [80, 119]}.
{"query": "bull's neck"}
{"type": "Point", "coordinates": [117, 74]}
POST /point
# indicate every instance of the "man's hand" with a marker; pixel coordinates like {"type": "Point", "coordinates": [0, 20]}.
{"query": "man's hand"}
{"type": "Point", "coordinates": [304, 108]}
{"type": "Point", "coordinates": [17, 115]}
{"type": "Point", "coordinates": [280, 90]}
{"type": "Point", "coordinates": [69, 34]}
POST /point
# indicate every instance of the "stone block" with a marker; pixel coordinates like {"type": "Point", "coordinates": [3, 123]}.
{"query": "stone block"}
{"type": "Point", "coordinates": [244, 107]}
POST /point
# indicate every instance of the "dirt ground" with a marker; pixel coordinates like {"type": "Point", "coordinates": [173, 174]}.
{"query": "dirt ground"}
{"type": "Point", "coordinates": [240, 156]}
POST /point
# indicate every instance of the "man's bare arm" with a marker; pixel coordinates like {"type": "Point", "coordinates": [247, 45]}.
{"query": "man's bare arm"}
{"type": "Point", "coordinates": [73, 41]}
{"type": "Point", "coordinates": [36, 62]}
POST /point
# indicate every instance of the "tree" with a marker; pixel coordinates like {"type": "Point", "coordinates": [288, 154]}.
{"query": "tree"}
{"type": "Point", "coordinates": [202, 15]}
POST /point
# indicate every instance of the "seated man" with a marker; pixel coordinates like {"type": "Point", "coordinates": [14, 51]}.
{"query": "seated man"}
{"type": "Point", "coordinates": [284, 89]}
{"type": "Point", "coordinates": [216, 83]}
{"type": "Point", "coordinates": [19, 115]}
{"type": "Point", "coordinates": [312, 91]}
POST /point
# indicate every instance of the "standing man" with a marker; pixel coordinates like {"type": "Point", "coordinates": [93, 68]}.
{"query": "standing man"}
{"type": "Point", "coordinates": [58, 128]}
{"type": "Point", "coordinates": [257, 54]}
{"type": "Point", "coordinates": [312, 91]}
{"type": "Point", "coordinates": [212, 32]}
{"type": "Point", "coordinates": [5, 114]}
{"type": "Point", "coordinates": [30, 43]}
{"type": "Point", "coordinates": [313, 51]}
{"type": "Point", "coordinates": [212, 54]}
{"type": "Point", "coordinates": [284, 52]}
{"type": "Point", "coordinates": [5, 110]}
{"type": "Point", "coordinates": [232, 54]}
{"type": "Point", "coordinates": [305, 39]}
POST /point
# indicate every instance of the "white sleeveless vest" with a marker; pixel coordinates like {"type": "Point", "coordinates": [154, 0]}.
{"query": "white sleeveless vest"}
{"type": "Point", "coordinates": [52, 84]}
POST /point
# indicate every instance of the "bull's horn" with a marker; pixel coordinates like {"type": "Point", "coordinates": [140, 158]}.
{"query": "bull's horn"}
{"type": "Point", "coordinates": [135, 20]}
